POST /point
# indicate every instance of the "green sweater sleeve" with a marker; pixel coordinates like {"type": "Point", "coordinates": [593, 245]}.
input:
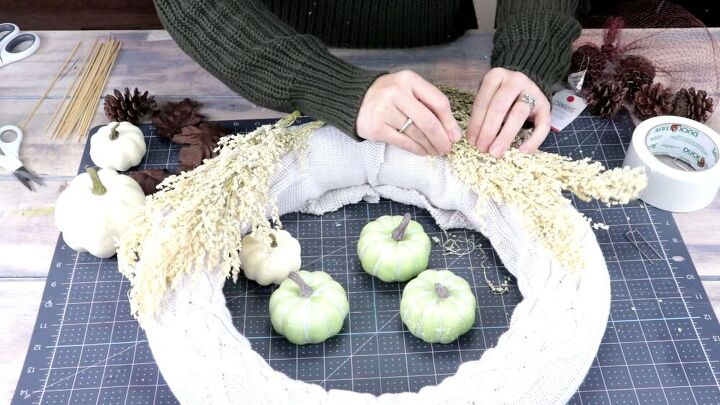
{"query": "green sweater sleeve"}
{"type": "Point", "coordinates": [535, 37]}
{"type": "Point", "coordinates": [242, 43]}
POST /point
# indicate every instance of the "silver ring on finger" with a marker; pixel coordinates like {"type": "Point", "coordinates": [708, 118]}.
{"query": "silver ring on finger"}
{"type": "Point", "coordinates": [406, 125]}
{"type": "Point", "coordinates": [530, 100]}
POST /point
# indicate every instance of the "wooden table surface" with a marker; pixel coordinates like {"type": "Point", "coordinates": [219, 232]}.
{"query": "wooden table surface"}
{"type": "Point", "coordinates": [151, 60]}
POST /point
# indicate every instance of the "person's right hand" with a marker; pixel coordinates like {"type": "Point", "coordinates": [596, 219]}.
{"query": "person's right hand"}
{"type": "Point", "coordinates": [395, 97]}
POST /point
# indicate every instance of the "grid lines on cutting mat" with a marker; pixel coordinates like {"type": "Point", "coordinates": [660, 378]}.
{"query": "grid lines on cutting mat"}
{"type": "Point", "coordinates": [661, 344]}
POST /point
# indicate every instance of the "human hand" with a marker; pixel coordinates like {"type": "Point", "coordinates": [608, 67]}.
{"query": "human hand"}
{"type": "Point", "coordinates": [497, 105]}
{"type": "Point", "coordinates": [395, 97]}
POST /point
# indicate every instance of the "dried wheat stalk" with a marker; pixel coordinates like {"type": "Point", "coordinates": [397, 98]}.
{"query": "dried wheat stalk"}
{"type": "Point", "coordinates": [236, 184]}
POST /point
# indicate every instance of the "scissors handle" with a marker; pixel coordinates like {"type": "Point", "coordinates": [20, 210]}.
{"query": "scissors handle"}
{"type": "Point", "coordinates": [10, 29]}
{"type": "Point", "coordinates": [10, 41]}
{"type": "Point", "coordinates": [11, 148]}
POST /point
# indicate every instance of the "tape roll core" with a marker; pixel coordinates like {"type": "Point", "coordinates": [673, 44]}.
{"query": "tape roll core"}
{"type": "Point", "coordinates": [672, 186]}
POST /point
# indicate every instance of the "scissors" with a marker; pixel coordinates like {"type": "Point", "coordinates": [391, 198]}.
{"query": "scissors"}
{"type": "Point", "coordinates": [10, 39]}
{"type": "Point", "coordinates": [10, 158]}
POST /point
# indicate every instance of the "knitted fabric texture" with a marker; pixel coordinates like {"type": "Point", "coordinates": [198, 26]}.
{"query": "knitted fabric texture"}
{"type": "Point", "coordinates": [273, 52]}
{"type": "Point", "coordinates": [554, 332]}
{"type": "Point", "coordinates": [377, 24]}
{"type": "Point", "coordinates": [534, 37]}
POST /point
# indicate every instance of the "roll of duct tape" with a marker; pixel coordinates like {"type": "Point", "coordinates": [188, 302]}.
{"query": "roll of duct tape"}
{"type": "Point", "coordinates": [680, 157]}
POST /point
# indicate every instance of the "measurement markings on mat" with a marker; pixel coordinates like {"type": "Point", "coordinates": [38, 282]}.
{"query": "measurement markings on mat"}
{"type": "Point", "coordinates": [662, 343]}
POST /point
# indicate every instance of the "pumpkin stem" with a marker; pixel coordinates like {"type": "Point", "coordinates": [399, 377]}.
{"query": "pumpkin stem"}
{"type": "Point", "coordinates": [441, 291]}
{"type": "Point", "coordinates": [98, 187]}
{"type": "Point", "coordinates": [305, 289]}
{"type": "Point", "coordinates": [113, 132]}
{"type": "Point", "coordinates": [288, 120]}
{"type": "Point", "coordinates": [273, 240]}
{"type": "Point", "coordinates": [399, 232]}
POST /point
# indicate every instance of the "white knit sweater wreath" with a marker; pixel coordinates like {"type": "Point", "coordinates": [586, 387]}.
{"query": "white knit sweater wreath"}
{"type": "Point", "coordinates": [553, 335]}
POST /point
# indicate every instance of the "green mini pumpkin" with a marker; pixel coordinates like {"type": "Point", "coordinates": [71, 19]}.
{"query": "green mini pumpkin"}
{"type": "Point", "coordinates": [394, 248]}
{"type": "Point", "coordinates": [308, 307]}
{"type": "Point", "coordinates": [438, 306]}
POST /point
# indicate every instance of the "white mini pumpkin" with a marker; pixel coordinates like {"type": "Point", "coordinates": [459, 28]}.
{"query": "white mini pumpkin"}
{"type": "Point", "coordinates": [95, 209]}
{"type": "Point", "coordinates": [117, 146]}
{"type": "Point", "coordinates": [270, 264]}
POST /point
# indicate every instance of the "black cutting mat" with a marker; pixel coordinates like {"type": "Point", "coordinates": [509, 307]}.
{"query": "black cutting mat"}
{"type": "Point", "coordinates": [661, 344]}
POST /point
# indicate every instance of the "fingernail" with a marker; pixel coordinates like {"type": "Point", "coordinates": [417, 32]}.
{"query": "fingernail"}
{"type": "Point", "coordinates": [456, 134]}
{"type": "Point", "coordinates": [495, 151]}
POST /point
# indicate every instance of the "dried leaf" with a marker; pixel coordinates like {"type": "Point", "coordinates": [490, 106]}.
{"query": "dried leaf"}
{"type": "Point", "coordinates": [192, 156]}
{"type": "Point", "coordinates": [201, 134]}
{"type": "Point", "coordinates": [149, 179]}
{"type": "Point", "coordinates": [172, 117]}
{"type": "Point", "coordinates": [200, 142]}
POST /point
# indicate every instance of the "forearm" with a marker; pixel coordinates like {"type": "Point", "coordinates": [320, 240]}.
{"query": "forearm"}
{"type": "Point", "coordinates": [250, 50]}
{"type": "Point", "coordinates": [535, 37]}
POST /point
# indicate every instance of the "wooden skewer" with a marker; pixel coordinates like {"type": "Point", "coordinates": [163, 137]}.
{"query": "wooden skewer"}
{"type": "Point", "coordinates": [69, 121]}
{"type": "Point", "coordinates": [100, 85]}
{"type": "Point", "coordinates": [62, 128]}
{"type": "Point", "coordinates": [69, 93]}
{"type": "Point", "coordinates": [76, 112]}
{"type": "Point", "coordinates": [52, 84]}
{"type": "Point", "coordinates": [99, 88]}
{"type": "Point", "coordinates": [73, 103]}
{"type": "Point", "coordinates": [113, 51]}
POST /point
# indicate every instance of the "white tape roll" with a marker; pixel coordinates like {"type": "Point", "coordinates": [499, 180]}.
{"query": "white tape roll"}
{"type": "Point", "coordinates": [671, 185]}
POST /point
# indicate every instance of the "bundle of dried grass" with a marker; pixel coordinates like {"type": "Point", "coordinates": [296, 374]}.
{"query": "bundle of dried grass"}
{"type": "Point", "coordinates": [533, 183]}
{"type": "Point", "coordinates": [236, 184]}
{"type": "Point", "coordinates": [197, 205]}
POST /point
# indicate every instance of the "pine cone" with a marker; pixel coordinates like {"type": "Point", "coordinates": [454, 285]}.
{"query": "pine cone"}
{"type": "Point", "coordinates": [653, 100]}
{"type": "Point", "coordinates": [693, 104]}
{"type": "Point", "coordinates": [589, 57]}
{"type": "Point", "coordinates": [174, 116]}
{"type": "Point", "coordinates": [606, 98]}
{"type": "Point", "coordinates": [633, 72]}
{"type": "Point", "coordinates": [130, 107]}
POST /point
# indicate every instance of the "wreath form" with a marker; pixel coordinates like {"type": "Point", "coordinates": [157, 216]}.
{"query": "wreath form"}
{"type": "Point", "coordinates": [543, 357]}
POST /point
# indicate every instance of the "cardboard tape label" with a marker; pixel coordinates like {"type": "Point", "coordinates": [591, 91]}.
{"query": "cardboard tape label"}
{"type": "Point", "coordinates": [672, 186]}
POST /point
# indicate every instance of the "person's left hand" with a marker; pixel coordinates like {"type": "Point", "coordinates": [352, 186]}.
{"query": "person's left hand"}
{"type": "Point", "coordinates": [498, 113]}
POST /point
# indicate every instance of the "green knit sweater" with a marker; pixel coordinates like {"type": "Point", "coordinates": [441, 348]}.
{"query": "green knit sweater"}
{"type": "Point", "coordinates": [273, 52]}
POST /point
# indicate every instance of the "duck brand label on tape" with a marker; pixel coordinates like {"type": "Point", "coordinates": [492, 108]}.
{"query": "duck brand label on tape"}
{"type": "Point", "coordinates": [684, 143]}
